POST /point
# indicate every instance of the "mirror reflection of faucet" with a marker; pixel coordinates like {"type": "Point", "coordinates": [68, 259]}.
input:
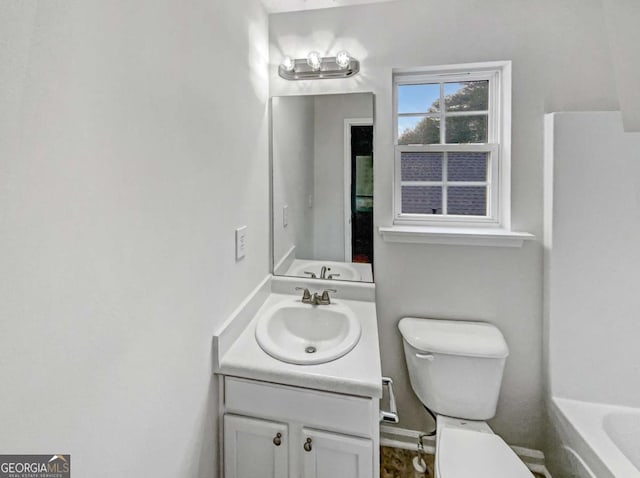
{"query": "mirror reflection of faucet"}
{"type": "Point", "coordinates": [337, 271]}
{"type": "Point", "coordinates": [323, 274]}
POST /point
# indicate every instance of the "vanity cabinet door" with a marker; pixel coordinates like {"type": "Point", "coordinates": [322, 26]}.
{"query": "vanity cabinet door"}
{"type": "Point", "coordinates": [255, 448]}
{"type": "Point", "coordinates": [331, 455]}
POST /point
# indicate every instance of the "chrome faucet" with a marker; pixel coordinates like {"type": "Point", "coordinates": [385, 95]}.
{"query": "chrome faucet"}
{"type": "Point", "coordinates": [306, 295]}
{"type": "Point", "coordinates": [316, 299]}
{"type": "Point", "coordinates": [324, 299]}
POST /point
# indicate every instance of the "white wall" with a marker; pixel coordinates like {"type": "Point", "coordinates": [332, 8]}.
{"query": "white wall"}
{"type": "Point", "coordinates": [328, 211]}
{"type": "Point", "coordinates": [133, 141]}
{"type": "Point", "coordinates": [592, 258]}
{"type": "Point", "coordinates": [623, 18]}
{"type": "Point", "coordinates": [561, 62]}
{"type": "Point", "coordinates": [293, 170]}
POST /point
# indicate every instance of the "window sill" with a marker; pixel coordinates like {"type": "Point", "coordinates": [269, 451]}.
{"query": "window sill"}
{"type": "Point", "coordinates": [455, 236]}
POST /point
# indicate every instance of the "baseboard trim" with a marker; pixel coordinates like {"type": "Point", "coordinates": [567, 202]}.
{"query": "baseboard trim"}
{"type": "Point", "coordinates": [407, 439]}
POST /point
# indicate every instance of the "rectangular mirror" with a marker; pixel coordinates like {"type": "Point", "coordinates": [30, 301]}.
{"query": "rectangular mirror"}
{"type": "Point", "coordinates": [322, 186]}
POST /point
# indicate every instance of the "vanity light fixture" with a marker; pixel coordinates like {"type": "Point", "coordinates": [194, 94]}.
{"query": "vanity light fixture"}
{"type": "Point", "coordinates": [314, 60]}
{"type": "Point", "coordinates": [315, 67]}
{"type": "Point", "coordinates": [288, 64]}
{"type": "Point", "coordinates": [343, 59]}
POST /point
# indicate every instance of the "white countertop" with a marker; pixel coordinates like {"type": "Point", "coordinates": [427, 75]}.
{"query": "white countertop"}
{"type": "Point", "coordinates": [356, 373]}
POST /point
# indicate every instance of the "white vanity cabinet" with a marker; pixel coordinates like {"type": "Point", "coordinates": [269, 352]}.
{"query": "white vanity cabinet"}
{"type": "Point", "coordinates": [331, 455]}
{"type": "Point", "coordinates": [282, 431]}
{"type": "Point", "coordinates": [255, 448]}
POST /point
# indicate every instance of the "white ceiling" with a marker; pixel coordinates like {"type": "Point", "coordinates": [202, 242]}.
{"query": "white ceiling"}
{"type": "Point", "coordinates": [279, 6]}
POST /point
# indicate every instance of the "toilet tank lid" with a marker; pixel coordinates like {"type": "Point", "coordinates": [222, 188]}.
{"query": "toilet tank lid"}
{"type": "Point", "coordinates": [454, 337]}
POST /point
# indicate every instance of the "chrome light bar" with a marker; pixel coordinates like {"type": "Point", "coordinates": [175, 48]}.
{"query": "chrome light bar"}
{"type": "Point", "coordinates": [299, 69]}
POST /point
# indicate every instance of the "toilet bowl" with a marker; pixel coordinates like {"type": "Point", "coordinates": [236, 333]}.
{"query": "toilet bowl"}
{"type": "Point", "coordinates": [455, 369]}
{"type": "Point", "coordinates": [471, 449]}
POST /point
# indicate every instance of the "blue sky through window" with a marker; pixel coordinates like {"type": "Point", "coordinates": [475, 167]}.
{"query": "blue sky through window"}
{"type": "Point", "coordinates": [451, 88]}
{"type": "Point", "coordinates": [417, 98]}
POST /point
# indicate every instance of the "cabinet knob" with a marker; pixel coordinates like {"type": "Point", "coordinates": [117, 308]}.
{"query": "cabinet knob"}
{"type": "Point", "coordinates": [277, 440]}
{"type": "Point", "coordinates": [307, 445]}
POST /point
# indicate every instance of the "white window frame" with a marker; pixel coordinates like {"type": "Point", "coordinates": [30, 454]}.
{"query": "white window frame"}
{"type": "Point", "coordinates": [498, 144]}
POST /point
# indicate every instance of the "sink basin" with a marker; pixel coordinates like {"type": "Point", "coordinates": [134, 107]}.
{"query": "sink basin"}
{"type": "Point", "coordinates": [346, 271]}
{"type": "Point", "coordinates": [304, 334]}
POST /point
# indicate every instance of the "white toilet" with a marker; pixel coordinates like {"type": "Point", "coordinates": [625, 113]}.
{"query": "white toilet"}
{"type": "Point", "coordinates": [456, 369]}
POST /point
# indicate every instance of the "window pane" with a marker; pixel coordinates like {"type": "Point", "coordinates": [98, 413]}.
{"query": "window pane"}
{"type": "Point", "coordinates": [466, 129]}
{"type": "Point", "coordinates": [422, 199]}
{"type": "Point", "coordinates": [467, 96]}
{"type": "Point", "coordinates": [418, 130]}
{"type": "Point", "coordinates": [467, 166]}
{"type": "Point", "coordinates": [421, 166]}
{"type": "Point", "coordinates": [467, 201]}
{"type": "Point", "coordinates": [419, 98]}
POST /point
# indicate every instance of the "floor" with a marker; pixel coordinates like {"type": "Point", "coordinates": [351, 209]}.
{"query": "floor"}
{"type": "Point", "coordinates": [397, 463]}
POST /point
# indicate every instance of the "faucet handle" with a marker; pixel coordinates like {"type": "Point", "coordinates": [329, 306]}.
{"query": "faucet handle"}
{"type": "Point", "coordinates": [331, 276]}
{"type": "Point", "coordinates": [325, 295]}
{"type": "Point", "coordinates": [312, 275]}
{"type": "Point", "coordinates": [306, 295]}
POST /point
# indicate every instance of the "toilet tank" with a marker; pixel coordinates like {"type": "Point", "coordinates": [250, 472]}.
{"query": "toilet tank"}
{"type": "Point", "coordinates": [455, 367]}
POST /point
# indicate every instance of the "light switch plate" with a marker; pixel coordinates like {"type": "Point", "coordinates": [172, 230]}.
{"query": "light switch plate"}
{"type": "Point", "coordinates": [241, 242]}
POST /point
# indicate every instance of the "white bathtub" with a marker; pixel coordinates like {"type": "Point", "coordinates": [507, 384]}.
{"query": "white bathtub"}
{"type": "Point", "coordinates": [599, 440]}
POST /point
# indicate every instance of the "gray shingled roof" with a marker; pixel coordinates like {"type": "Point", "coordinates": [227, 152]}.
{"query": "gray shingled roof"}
{"type": "Point", "coordinates": [427, 166]}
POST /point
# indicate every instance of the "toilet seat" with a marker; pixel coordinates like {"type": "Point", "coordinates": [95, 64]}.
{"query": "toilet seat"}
{"type": "Point", "coordinates": [472, 454]}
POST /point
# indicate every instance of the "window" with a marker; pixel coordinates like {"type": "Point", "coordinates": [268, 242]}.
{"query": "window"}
{"type": "Point", "coordinates": [452, 136]}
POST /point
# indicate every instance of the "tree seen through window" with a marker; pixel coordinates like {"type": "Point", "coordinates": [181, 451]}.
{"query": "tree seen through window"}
{"type": "Point", "coordinates": [460, 128]}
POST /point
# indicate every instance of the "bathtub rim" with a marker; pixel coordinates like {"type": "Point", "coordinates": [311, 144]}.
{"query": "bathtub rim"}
{"type": "Point", "coordinates": [587, 420]}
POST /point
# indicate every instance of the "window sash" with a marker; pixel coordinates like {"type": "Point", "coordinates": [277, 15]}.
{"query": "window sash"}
{"type": "Point", "coordinates": [492, 76]}
{"type": "Point", "coordinates": [491, 183]}
{"type": "Point", "coordinates": [441, 75]}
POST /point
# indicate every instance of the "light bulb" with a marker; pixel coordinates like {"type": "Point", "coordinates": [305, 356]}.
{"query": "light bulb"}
{"type": "Point", "coordinates": [314, 60]}
{"type": "Point", "coordinates": [343, 59]}
{"type": "Point", "coordinates": [288, 64]}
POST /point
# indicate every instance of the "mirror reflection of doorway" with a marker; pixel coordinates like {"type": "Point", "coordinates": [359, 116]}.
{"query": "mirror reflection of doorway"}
{"type": "Point", "coordinates": [359, 207]}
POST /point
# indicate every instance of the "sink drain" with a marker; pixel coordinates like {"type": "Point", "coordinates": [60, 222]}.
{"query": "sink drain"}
{"type": "Point", "coordinates": [310, 350]}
